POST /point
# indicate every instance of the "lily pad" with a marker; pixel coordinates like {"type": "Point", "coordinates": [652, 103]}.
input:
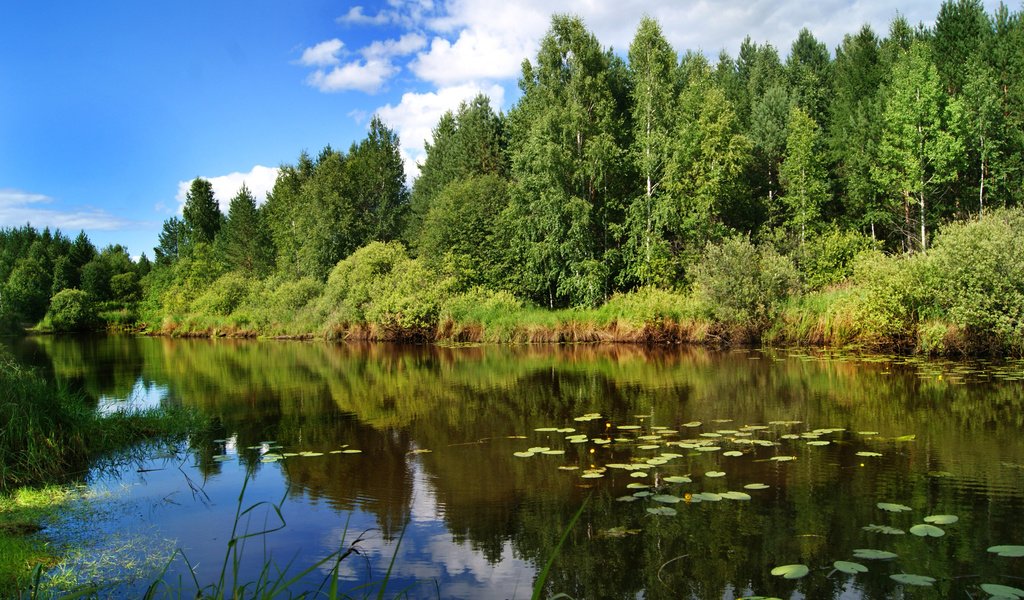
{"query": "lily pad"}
{"type": "Point", "coordinates": [693, 424]}
{"type": "Point", "coordinates": [351, 451]}
{"type": "Point", "coordinates": [872, 554]}
{"type": "Point", "coordinates": [883, 529]}
{"type": "Point", "coordinates": [638, 486]}
{"type": "Point", "coordinates": [1002, 591]}
{"type": "Point", "coordinates": [543, 429]}
{"type": "Point", "coordinates": [819, 443]}
{"type": "Point", "coordinates": [941, 519]}
{"type": "Point", "coordinates": [866, 453]}
{"type": "Point", "coordinates": [891, 507]}
{"type": "Point", "coordinates": [538, 449]}
{"type": "Point", "coordinates": [1008, 551]}
{"type": "Point", "coordinates": [782, 458]}
{"type": "Point", "coordinates": [908, 579]}
{"type": "Point", "coordinates": [756, 486]}
{"type": "Point", "coordinates": [926, 530]}
{"type": "Point", "coordinates": [663, 511]}
{"type": "Point", "coordinates": [638, 474]}
{"type": "Point", "coordinates": [627, 499]}
{"type": "Point", "coordinates": [677, 479]}
{"type": "Point", "coordinates": [708, 497]}
{"type": "Point", "coordinates": [707, 448]}
{"type": "Point", "coordinates": [553, 452]}
{"type": "Point", "coordinates": [592, 475]}
{"type": "Point", "coordinates": [850, 568]}
{"type": "Point", "coordinates": [602, 442]}
{"type": "Point", "coordinates": [666, 499]}
{"type": "Point", "coordinates": [714, 474]}
{"type": "Point", "coordinates": [791, 571]}
{"type": "Point", "coordinates": [732, 453]}
{"type": "Point", "coordinates": [735, 496]}
{"type": "Point", "coordinates": [522, 454]}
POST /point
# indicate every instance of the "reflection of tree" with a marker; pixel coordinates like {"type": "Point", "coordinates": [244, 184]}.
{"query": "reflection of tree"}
{"type": "Point", "coordinates": [463, 404]}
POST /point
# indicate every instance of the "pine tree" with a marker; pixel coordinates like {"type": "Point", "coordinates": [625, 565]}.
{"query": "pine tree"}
{"type": "Point", "coordinates": [246, 245]}
{"type": "Point", "coordinates": [201, 214]}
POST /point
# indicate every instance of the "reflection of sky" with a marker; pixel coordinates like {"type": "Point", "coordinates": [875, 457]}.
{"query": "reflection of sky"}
{"type": "Point", "coordinates": [159, 506]}
{"type": "Point", "coordinates": [143, 396]}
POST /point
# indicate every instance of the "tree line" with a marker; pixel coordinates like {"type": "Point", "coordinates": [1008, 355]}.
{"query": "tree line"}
{"type": "Point", "coordinates": [615, 172]}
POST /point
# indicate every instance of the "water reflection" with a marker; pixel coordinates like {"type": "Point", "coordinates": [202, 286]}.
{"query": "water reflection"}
{"type": "Point", "coordinates": [437, 429]}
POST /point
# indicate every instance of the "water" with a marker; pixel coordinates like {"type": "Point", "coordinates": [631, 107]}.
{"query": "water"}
{"type": "Point", "coordinates": [438, 488]}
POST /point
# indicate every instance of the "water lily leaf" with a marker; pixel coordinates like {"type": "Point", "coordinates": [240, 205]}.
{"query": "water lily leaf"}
{"type": "Point", "coordinates": [627, 499]}
{"type": "Point", "coordinates": [351, 451]}
{"type": "Point", "coordinates": [707, 448]}
{"type": "Point", "coordinates": [735, 496]}
{"type": "Point", "coordinates": [648, 447]}
{"type": "Point", "coordinates": [850, 568]}
{"type": "Point", "coordinates": [617, 532]}
{"type": "Point", "coordinates": [538, 449]}
{"type": "Point", "coordinates": [708, 497]}
{"type": "Point", "coordinates": [309, 454]}
{"type": "Point", "coordinates": [592, 475]}
{"type": "Point", "coordinates": [756, 486]}
{"type": "Point", "coordinates": [869, 454]}
{"type": "Point", "coordinates": [818, 443]}
{"type": "Point", "coordinates": [522, 454]}
{"type": "Point", "coordinates": [663, 511]}
{"type": "Point", "coordinates": [890, 507]}
{"type": "Point", "coordinates": [791, 571]}
{"type": "Point", "coordinates": [566, 429]}
{"type": "Point", "coordinates": [941, 519]}
{"type": "Point", "coordinates": [906, 438]}
{"type": "Point", "coordinates": [223, 458]}
{"type": "Point", "coordinates": [677, 479]}
{"type": "Point", "coordinates": [925, 530]}
{"type": "Point", "coordinates": [638, 474]}
{"type": "Point", "coordinates": [1002, 591]}
{"type": "Point", "coordinates": [638, 486]}
{"type": "Point", "coordinates": [872, 554]}
{"type": "Point", "coordinates": [867, 432]}
{"type": "Point", "coordinates": [693, 424]}
{"type": "Point", "coordinates": [648, 438]}
{"type": "Point", "coordinates": [883, 529]}
{"type": "Point", "coordinates": [1008, 551]}
{"type": "Point", "coordinates": [908, 579]}
{"type": "Point", "coordinates": [568, 468]}
{"type": "Point", "coordinates": [782, 458]}
{"type": "Point", "coordinates": [732, 453]}
{"type": "Point", "coordinates": [790, 436]}
{"type": "Point", "coordinates": [542, 429]}
{"type": "Point", "coordinates": [602, 442]}
{"type": "Point", "coordinates": [670, 455]}
{"type": "Point", "coordinates": [710, 434]}
{"type": "Point", "coordinates": [714, 474]}
{"type": "Point", "coordinates": [553, 452]}
{"type": "Point", "coordinates": [666, 499]}
{"type": "Point", "coordinates": [627, 427]}
{"type": "Point", "coordinates": [655, 462]}
{"type": "Point", "coordinates": [642, 494]}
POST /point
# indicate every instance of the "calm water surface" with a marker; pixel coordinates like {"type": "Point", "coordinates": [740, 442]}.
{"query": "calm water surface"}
{"type": "Point", "coordinates": [437, 483]}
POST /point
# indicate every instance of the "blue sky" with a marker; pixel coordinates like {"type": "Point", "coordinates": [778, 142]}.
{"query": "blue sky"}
{"type": "Point", "coordinates": [109, 109]}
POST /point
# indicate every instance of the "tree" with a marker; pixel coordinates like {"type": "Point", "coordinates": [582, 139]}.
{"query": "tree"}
{"type": "Point", "coordinates": [803, 172]}
{"type": "Point", "coordinates": [916, 152]}
{"type": "Point", "coordinates": [245, 243]}
{"type": "Point", "coordinates": [652, 63]}
{"type": "Point", "coordinates": [983, 126]}
{"type": "Point", "coordinates": [566, 154]}
{"type": "Point", "coordinates": [962, 31]}
{"type": "Point", "coordinates": [172, 240]}
{"type": "Point", "coordinates": [768, 134]}
{"type": "Point", "coordinates": [283, 210]}
{"type": "Point", "coordinates": [809, 70]}
{"type": "Point", "coordinates": [377, 176]}
{"type": "Point", "coordinates": [201, 214]}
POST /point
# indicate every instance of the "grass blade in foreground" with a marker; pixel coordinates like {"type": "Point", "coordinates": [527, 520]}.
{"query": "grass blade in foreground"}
{"type": "Point", "coordinates": [538, 587]}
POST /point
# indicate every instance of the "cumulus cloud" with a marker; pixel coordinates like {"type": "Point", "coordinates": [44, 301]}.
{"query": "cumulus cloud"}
{"type": "Point", "coordinates": [407, 44]}
{"type": "Point", "coordinates": [357, 16]}
{"type": "Point", "coordinates": [365, 76]}
{"type": "Point", "coordinates": [260, 180]}
{"type": "Point", "coordinates": [18, 207]}
{"type": "Point", "coordinates": [415, 116]}
{"type": "Point", "coordinates": [323, 54]}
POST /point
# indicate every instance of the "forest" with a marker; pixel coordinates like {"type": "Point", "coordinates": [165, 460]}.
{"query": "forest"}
{"type": "Point", "coordinates": [865, 195]}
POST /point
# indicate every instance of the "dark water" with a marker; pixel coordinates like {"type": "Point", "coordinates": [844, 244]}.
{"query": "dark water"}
{"type": "Point", "coordinates": [438, 429]}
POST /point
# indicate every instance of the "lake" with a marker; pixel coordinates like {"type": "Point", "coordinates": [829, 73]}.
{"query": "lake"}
{"type": "Point", "coordinates": [698, 472]}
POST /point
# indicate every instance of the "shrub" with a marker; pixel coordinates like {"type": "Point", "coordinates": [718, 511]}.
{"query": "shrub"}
{"type": "Point", "coordinates": [742, 284]}
{"type": "Point", "coordinates": [888, 302]}
{"type": "Point", "coordinates": [71, 310]}
{"type": "Point", "coordinates": [125, 287]}
{"type": "Point", "coordinates": [827, 259]}
{"type": "Point", "coordinates": [224, 295]}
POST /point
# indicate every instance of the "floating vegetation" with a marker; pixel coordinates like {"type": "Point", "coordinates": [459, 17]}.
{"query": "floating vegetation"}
{"type": "Point", "coordinates": [908, 579]}
{"type": "Point", "coordinates": [677, 479]}
{"type": "Point", "coordinates": [818, 443]}
{"type": "Point", "coordinates": [522, 454]}
{"type": "Point", "coordinates": [891, 507]}
{"type": "Point", "coordinates": [662, 511]}
{"type": "Point", "coordinates": [791, 571]}
{"type": "Point", "coordinates": [732, 453]}
{"type": "Point", "coordinates": [756, 486]}
{"type": "Point", "coordinates": [714, 474]}
{"type": "Point", "coordinates": [867, 453]}
{"type": "Point", "coordinates": [735, 495]}
{"type": "Point", "coordinates": [850, 568]}
{"type": "Point", "coordinates": [872, 554]}
{"type": "Point", "coordinates": [1008, 551]}
{"type": "Point", "coordinates": [926, 530]}
{"type": "Point", "coordinates": [1002, 591]}
{"type": "Point", "coordinates": [883, 529]}
{"type": "Point", "coordinates": [666, 499]}
{"type": "Point", "coordinates": [588, 417]}
{"type": "Point", "coordinates": [783, 458]}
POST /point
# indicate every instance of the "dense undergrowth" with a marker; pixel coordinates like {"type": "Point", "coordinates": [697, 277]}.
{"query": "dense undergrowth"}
{"type": "Point", "coordinates": [964, 296]}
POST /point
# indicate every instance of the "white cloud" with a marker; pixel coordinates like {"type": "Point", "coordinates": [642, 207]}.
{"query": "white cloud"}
{"type": "Point", "coordinates": [476, 55]}
{"type": "Point", "coordinates": [19, 207]}
{"type": "Point", "coordinates": [407, 44]}
{"type": "Point", "coordinates": [260, 180]}
{"type": "Point", "coordinates": [357, 16]}
{"type": "Point", "coordinates": [323, 54]}
{"type": "Point", "coordinates": [368, 76]}
{"type": "Point", "coordinates": [416, 115]}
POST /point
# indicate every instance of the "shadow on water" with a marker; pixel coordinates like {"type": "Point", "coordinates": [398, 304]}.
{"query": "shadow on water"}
{"type": "Point", "coordinates": [437, 429]}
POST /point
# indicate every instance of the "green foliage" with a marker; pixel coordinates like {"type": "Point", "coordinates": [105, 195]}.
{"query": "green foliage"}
{"type": "Point", "coordinates": [125, 287]}
{"type": "Point", "coordinates": [742, 284]}
{"type": "Point", "coordinates": [201, 216]}
{"type": "Point", "coordinates": [379, 285]}
{"type": "Point", "coordinates": [244, 241]}
{"type": "Point", "coordinates": [802, 173]}
{"type": "Point", "coordinates": [889, 301]}
{"type": "Point", "coordinates": [224, 295]}
{"type": "Point", "coordinates": [71, 310]}
{"type": "Point", "coordinates": [827, 258]}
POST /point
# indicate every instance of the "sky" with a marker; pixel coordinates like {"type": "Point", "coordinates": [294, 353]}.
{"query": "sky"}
{"type": "Point", "coordinates": [108, 109]}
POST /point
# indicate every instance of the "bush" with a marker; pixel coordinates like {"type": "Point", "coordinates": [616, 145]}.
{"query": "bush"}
{"type": "Point", "coordinates": [743, 285]}
{"type": "Point", "coordinates": [827, 259]}
{"type": "Point", "coordinates": [889, 299]}
{"type": "Point", "coordinates": [224, 295]}
{"type": "Point", "coordinates": [71, 310]}
{"type": "Point", "coordinates": [124, 287]}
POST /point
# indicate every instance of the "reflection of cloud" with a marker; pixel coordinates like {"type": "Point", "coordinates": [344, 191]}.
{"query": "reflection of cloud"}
{"type": "Point", "coordinates": [260, 180]}
{"type": "Point", "coordinates": [428, 554]}
{"type": "Point", "coordinates": [18, 207]}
